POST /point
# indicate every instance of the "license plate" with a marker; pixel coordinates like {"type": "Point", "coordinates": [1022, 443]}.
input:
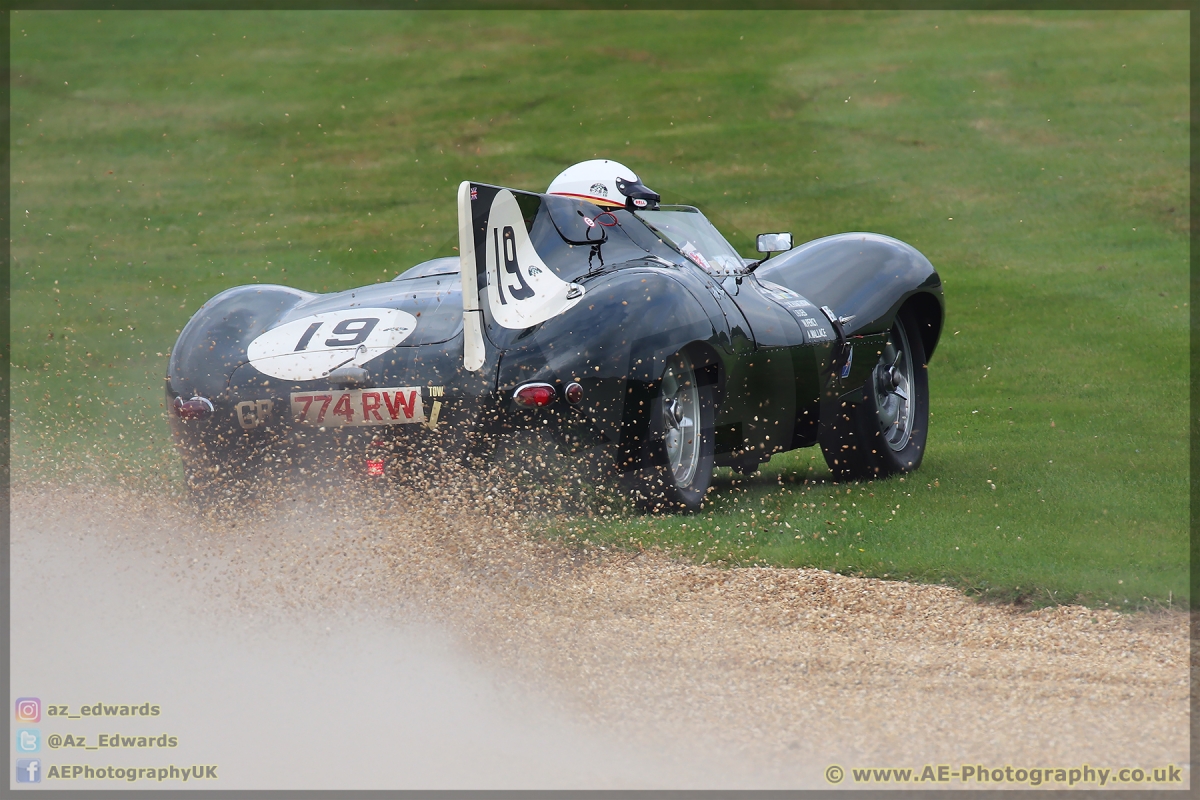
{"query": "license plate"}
{"type": "Point", "coordinates": [359, 407]}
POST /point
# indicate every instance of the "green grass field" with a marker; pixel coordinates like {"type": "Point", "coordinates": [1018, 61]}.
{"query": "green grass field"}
{"type": "Point", "coordinates": [1040, 160]}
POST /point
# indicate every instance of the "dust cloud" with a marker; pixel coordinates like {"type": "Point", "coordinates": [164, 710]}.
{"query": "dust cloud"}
{"type": "Point", "coordinates": [307, 641]}
{"type": "Point", "coordinates": [417, 637]}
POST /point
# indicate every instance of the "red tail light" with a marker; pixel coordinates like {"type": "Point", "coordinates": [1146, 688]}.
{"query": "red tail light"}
{"type": "Point", "coordinates": [534, 395]}
{"type": "Point", "coordinates": [196, 408]}
{"type": "Point", "coordinates": [573, 393]}
{"type": "Point", "coordinates": [375, 467]}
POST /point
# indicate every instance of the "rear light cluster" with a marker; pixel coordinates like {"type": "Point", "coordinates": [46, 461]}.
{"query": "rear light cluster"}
{"type": "Point", "coordinates": [196, 408]}
{"type": "Point", "coordinates": [534, 395]}
{"type": "Point", "coordinates": [539, 395]}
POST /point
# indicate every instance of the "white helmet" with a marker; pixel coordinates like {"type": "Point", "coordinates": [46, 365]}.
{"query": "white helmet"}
{"type": "Point", "coordinates": [608, 184]}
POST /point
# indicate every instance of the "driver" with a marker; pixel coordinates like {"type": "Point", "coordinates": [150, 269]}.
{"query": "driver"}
{"type": "Point", "coordinates": [608, 184]}
{"type": "Point", "coordinates": [612, 185]}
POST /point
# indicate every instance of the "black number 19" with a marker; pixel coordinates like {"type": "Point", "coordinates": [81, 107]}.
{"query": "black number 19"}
{"type": "Point", "coordinates": [307, 337]}
{"type": "Point", "coordinates": [357, 329]}
{"type": "Point", "coordinates": [508, 250]}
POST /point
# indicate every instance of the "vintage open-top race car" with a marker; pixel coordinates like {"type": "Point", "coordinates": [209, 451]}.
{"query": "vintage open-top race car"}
{"type": "Point", "coordinates": [591, 312]}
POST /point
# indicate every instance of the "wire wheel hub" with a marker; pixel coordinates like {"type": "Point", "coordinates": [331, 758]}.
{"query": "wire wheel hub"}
{"type": "Point", "coordinates": [893, 381]}
{"type": "Point", "coordinates": [681, 418]}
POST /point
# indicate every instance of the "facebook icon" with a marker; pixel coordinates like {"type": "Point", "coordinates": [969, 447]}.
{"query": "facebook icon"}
{"type": "Point", "coordinates": [29, 770]}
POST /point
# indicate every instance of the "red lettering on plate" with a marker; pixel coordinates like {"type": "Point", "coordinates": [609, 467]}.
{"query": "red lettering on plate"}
{"type": "Point", "coordinates": [371, 407]}
{"type": "Point", "coordinates": [307, 400]}
{"type": "Point", "coordinates": [343, 408]}
{"type": "Point", "coordinates": [328, 398]}
{"type": "Point", "coordinates": [394, 408]}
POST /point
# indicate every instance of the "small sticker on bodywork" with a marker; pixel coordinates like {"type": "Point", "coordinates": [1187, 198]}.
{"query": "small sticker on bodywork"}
{"type": "Point", "coordinates": [689, 250]}
{"type": "Point", "coordinates": [433, 415]}
{"type": "Point", "coordinates": [849, 361]}
{"type": "Point", "coordinates": [780, 293]}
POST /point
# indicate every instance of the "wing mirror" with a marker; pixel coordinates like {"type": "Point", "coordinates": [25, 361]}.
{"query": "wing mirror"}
{"type": "Point", "coordinates": [774, 242]}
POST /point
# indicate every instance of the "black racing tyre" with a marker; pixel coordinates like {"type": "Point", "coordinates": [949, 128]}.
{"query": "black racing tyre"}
{"type": "Point", "coordinates": [682, 441]}
{"type": "Point", "coordinates": [881, 431]}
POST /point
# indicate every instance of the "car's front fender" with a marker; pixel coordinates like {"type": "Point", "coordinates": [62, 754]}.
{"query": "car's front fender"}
{"type": "Point", "coordinates": [866, 276]}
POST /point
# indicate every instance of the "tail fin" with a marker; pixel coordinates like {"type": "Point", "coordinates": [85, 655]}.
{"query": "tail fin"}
{"type": "Point", "coordinates": [473, 345]}
{"type": "Point", "coordinates": [501, 271]}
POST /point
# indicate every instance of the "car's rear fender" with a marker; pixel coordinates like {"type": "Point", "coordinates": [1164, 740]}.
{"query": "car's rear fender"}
{"type": "Point", "coordinates": [615, 345]}
{"type": "Point", "coordinates": [213, 343]}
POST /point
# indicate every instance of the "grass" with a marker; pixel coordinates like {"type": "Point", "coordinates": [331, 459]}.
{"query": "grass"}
{"type": "Point", "coordinates": [1040, 160]}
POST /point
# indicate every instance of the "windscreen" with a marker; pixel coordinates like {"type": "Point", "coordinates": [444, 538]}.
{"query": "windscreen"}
{"type": "Point", "coordinates": [695, 237]}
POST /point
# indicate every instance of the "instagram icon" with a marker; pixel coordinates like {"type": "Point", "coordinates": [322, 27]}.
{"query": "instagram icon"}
{"type": "Point", "coordinates": [29, 709]}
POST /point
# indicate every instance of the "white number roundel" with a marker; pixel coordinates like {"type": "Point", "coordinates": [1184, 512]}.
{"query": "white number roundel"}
{"type": "Point", "coordinates": [311, 347]}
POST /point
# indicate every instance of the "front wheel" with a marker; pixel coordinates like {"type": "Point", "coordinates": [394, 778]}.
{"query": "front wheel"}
{"type": "Point", "coordinates": [883, 430]}
{"type": "Point", "coordinates": [682, 441]}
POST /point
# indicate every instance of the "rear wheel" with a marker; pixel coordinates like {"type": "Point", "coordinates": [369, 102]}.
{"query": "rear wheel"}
{"type": "Point", "coordinates": [681, 441]}
{"type": "Point", "coordinates": [883, 430]}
